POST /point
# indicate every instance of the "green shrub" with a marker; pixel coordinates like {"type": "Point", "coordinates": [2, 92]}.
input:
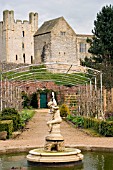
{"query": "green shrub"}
{"type": "Point", "coordinates": [6, 125]}
{"type": "Point", "coordinates": [25, 115]}
{"type": "Point", "coordinates": [64, 110]}
{"type": "Point", "coordinates": [70, 117]}
{"type": "Point", "coordinates": [15, 120]}
{"type": "Point", "coordinates": [78, 121]}
{"type": "Point", "coordinates": [9, 111]}
{"type": "Point", "coordinates": [104, 128]}
{"type": "Point", "coordinates": [11, 114]}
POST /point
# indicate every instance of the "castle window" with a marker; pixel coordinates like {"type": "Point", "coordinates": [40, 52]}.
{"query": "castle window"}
{"type": "Point", "coordinates": [16, 57]}
{"type": "Point", "coordinates": [62, 33]}
{"type": "Point", "coordinates": [31, 59]}
{"type": "Point", "coordinates": [59, 53]}
{"type": "Point", "coordinates": [24, 58]}
{"type": "Point", "coordinates": [23, 33]}
{"type": "Point", "coordinates": [82, 48]}
{"type": "Point", "coordinates": [22, 45]}
{"type": "Point", "coordinates": [64, 53]}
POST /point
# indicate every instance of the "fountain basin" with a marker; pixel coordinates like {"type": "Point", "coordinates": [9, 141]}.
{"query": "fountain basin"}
{"type": "Point", "coordinates": [41, 156]}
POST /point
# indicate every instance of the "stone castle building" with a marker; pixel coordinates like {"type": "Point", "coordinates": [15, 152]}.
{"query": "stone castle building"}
{"type": "Point", "coordinates": [16, 38]}
{"type": "Point", "coordinates": [54, 41]}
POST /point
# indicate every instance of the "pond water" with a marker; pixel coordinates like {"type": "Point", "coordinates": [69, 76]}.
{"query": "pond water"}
{"type": "Point", "coordinates": [92, 161]}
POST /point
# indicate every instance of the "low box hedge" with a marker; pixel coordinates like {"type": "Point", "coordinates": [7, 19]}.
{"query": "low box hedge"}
{"type": "Point", "coordinates": [11, 114]}
{"type": "Point", "coordinates": [14, 118]}
{"type": "Point", "coordinates": [6, 125]}
{"type": "Point", "coordinates": [104, 128]}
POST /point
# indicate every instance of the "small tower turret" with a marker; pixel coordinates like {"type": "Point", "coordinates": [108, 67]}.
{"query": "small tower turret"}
{"type": "Point", "coordinates": [33, 20]}
{"type": "Point", "coordinates": [8, 19]}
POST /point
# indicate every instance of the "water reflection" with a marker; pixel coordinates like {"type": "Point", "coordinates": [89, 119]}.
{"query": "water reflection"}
{"type": "Point", "coordinates": [98, 161]}
{"type": "Point", "coordinates": [92, 161]}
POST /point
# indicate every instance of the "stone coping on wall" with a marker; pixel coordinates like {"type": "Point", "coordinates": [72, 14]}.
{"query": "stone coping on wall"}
{"type": "Point", "coordinates": [23, 149]}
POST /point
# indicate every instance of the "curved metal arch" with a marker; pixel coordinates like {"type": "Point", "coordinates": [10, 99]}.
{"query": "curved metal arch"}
{"type": "Point", "coordinates": [66, 70]}
{"type": "Point", "coordinates": [65, 77]}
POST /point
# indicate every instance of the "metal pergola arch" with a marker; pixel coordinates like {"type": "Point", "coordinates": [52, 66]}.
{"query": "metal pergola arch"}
{"type": "Point", "coordinates": [63, 70]}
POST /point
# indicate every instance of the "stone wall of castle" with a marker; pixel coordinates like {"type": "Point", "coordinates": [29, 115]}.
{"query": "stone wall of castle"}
{"type": "Point", "coordinates": [60, 44]}
{"type": "Point", "coordinates": [16, 38]}
{"type": "Point", "coordinates": [63, 43]}
{"type": "Point", "coordinates": [83, 46]}
{"type": "Point", "coordinates": [42, 48]}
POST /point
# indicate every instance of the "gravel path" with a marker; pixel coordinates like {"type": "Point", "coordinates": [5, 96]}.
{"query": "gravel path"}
{"type": "Point", "coordinates": [36, 130]}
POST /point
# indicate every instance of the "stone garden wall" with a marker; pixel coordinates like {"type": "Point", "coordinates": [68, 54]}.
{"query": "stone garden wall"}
{"type": "Point", "coordinates": [8, 66]}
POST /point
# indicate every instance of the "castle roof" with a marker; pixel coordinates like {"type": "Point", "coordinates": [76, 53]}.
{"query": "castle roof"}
{"type": "Point", "coordinates": [84, 35]}
{"type": "Point", "coordinates": [47, 26]}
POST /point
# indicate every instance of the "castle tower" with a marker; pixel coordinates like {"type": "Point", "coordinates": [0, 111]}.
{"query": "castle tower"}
{"type": "Point", "coordinates": [16, 38]}
{"type": "Point", "coordinates": [33, 20]}
{"type": "Point", "coordinates": [7, 32]}
{"type": "Point", "coordinates": [8, 19]}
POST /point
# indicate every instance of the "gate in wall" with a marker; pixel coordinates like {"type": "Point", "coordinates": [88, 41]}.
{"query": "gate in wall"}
{"type": "Point", "coordinates": [43, 100]}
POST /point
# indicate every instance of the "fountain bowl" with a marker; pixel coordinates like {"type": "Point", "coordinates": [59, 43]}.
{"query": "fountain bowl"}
{"type": "Point", "coordinates": [69, 155]}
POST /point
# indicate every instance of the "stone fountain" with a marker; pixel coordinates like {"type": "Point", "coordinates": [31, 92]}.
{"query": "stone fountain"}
{"type": "Point", "coordinates": [54, 151]}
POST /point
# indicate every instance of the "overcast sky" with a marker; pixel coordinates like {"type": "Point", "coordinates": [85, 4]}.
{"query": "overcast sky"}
{"type": "Point", "coordinates": [80, 14]}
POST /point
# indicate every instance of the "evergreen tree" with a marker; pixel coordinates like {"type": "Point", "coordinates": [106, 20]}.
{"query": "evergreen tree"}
{"type": "Point", "coordinates": [101, 45]}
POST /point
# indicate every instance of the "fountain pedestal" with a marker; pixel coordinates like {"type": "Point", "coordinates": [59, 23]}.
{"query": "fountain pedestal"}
{"type": "Point", "coordinates": [54, 141]}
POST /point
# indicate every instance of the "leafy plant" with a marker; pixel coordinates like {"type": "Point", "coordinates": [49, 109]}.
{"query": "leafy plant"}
{"type": "Point", "coordinates": [25, 115]}
{"type": "Point", "coordinates": [78, 121]}
{"type": "Point", "coordinates": [70, 117]}
{"type": "Point", "coordinates": [64, 110]}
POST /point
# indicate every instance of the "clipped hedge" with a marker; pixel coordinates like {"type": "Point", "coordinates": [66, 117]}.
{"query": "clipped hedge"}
{"type": "Point", "coordinates": [11, 114]}
{"type": "Point", "coordinates": [7, 125]}
{"type": "Point", "coordinates": [9, 111]}
{"type": "Point", "coordinates": [105, 128]}
{"type": "Point", "coordinates": [15, 120]}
